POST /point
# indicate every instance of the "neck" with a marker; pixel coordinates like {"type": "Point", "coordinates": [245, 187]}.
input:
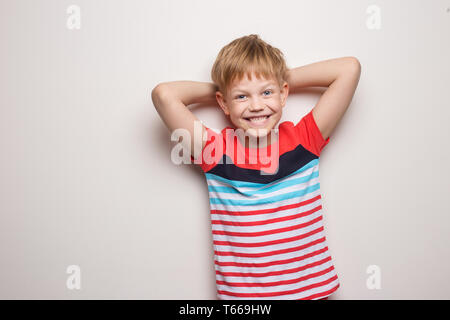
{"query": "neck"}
{"type": "Point", "coordinates": [260, 142]}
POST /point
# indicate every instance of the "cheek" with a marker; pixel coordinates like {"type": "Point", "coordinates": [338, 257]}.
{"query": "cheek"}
{"type": "Point", "coordinates": [276, 118]}
{"type": "Point", "coordinates": [236, 112]}
{"type": "Point", "coordinates": [236, 119]}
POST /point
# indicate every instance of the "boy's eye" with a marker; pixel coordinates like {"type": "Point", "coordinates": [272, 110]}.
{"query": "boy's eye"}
{"type": "Point", "coordinates": [243, 95]}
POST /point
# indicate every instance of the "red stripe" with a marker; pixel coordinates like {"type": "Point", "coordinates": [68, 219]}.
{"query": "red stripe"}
{"type": "Point", "coordinates": [273, 273]}
{"type": "Point", "coordinates": [261, 222]}
{"type": "Point", "coordinates": [271, 242]}
{"type": "Point", "coordinates": [275, 283]}
{"type": "Point", "coordinates": [263, 233]}
{"type": "Point", "coordinates": [317, 295]}
{"type": "Point", "coordinates": [263, 211]}
{"type": "Point", "coordinates": [270, 253]}
{"type": "Point", "coordinates": [271, 263]}
{"type": "Point", "coordinates": [279, 293]}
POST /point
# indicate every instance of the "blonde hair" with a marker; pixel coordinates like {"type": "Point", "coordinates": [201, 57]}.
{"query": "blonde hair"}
{"type": "Point", "coordinates": [245, 55]}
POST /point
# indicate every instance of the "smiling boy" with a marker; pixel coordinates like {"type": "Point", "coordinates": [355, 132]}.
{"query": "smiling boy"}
{"type": "Point", "coordinates": [267, 223]}
{"type": "Point", "coordinates": [254, 105]}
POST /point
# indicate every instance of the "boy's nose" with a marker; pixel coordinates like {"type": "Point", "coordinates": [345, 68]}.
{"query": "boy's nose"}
{"type": "Point", "coordinates": [256, 105]}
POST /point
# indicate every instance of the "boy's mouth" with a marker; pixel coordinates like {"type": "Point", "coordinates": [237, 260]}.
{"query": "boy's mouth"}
{"type": "Point", "coordinates": [257, 121]}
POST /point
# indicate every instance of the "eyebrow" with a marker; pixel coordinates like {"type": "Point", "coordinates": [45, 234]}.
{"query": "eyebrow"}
{"type": "Point", "coordinates": [267, 84]}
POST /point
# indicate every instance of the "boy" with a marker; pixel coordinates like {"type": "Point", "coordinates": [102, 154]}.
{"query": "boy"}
{"type": "Point", "coordinates": [264, 189]}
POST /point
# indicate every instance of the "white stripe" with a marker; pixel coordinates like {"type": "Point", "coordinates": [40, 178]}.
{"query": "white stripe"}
{"type": "Point", "coordinates": [274, 236]}
{"type": "Point", "coordinates": [272, 205]}
{"type": "Point", "coordinates": [279, 288]}
{"type": "Point", "coordinates": [281, 277]}
{"type": "Point", "coordinates": [274, 247]}
{"type": "Point", "coordinates": [295, 296]}
{"type": "Point", "coordinates": [297, 254]}
{"type": "Point", "coordinates": [276, 257]}
{"type": "Point", "coordinates": [268, 226]}
{"type": "Point", "coordinates": [263, 216]}
{"type": "Point", "coordinates": [280, 267]}
{"type": "Point", "coordinates": [270, 248]}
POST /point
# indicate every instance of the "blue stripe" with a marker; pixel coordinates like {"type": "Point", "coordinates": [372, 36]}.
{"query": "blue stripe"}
{"type": "Point", "coordinates": [244, 184]}
{"type": "Point", "coordinates": [281, 197]}
{"type": "Point", "coordinates": [271, 188]}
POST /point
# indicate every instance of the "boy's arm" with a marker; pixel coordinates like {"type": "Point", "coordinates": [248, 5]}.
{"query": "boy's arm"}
{"type": "Point", "coordinates": [341, 76]}
{"type": "Point", "coordinates": [171, 100]}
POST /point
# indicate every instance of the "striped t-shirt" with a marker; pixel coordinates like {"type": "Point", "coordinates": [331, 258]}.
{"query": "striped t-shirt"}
{"type": "Point", "coordinates": [266, 216]}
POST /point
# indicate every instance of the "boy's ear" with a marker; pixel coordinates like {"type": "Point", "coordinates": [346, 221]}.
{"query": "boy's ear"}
{"type": "Point", "coordinates": [222, 103]}
{"type": "Point", "coordinates": [284, 93]}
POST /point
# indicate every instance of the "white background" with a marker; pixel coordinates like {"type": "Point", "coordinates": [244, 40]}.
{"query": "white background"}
{"type": "Point", "coordinates": [85, 171]}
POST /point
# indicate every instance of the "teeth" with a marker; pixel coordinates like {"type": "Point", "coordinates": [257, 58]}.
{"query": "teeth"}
{"type": "Point", "coordinates": [258, 119]}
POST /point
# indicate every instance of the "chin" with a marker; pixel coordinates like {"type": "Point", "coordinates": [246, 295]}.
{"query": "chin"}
{"type": "Point", "coordinates": [258, 132]}
{"type": "Point", "coordinates": [255, 131]}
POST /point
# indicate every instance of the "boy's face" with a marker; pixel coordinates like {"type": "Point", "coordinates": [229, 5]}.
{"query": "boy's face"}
{"type": "Point", "coordinates": [254, 104]}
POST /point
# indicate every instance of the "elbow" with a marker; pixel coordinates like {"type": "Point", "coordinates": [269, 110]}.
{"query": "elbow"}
{"type": "Point", "coordinates": [352, 68]}
{"type": "Point", "coordinates": [355, 64]}
{"type": "Point", "coordinates": [158, 90]}
{"type": "Point", "coordinates": [157, 94]}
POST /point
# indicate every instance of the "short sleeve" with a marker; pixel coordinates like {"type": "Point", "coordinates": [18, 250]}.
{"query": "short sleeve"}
{"type": "Point", "coordinates": [309, 134]}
